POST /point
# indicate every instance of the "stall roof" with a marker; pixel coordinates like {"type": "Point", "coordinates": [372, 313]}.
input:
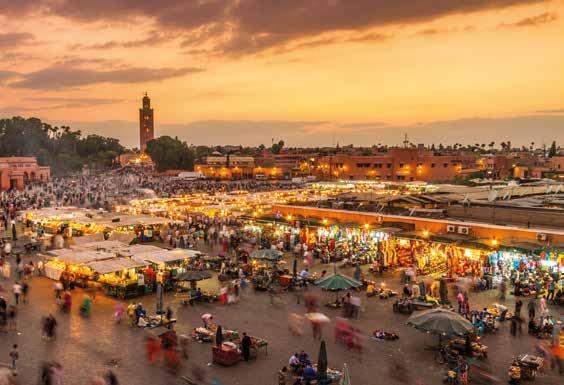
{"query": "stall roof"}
{"type": "Point", "coordinates": [83, 256]}
{"type": "Point", "coordinates": [167, 256]}
{"type": "Point", "coordinates": [132, 220]}
{"type": "Point", "coordinates": [116, 264]}
{"type": "Point", "coordinates": [134, 250]}
{"type": "Point", "coordinates": [104, 245]}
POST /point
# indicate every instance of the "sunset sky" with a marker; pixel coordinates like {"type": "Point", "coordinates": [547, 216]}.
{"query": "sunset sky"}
{"type": "Point", "coordinates": [309, 72]}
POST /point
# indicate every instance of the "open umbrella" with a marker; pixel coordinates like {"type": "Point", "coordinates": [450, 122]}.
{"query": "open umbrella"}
{"type": "Point", "coordinates": [219, 336]}
{"type": "Point", "coordinates": [193, 275]}
{"type": "Point", "coordinates": [337, 282]}
{"type": "Point", "coordinates": [318, 318]}
{"type": "Point", "coordinates": [267, 254]}
{"type": "Point", "coordinates": [441, 322]}
{"type": "Point", "coordinates": [346, 376]}
{"type": "Point", "coordinates": [322, 361]}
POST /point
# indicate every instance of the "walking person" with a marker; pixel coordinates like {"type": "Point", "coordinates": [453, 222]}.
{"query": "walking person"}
{"type": "Point", "coordinates": [531, 307]}
{"type": "Point", "coordinates": [246, 347]}
{"type": "Point", "coordinates": [14, 356]}
{"type": "Point", "coordinates": [12, 314]}
{"type": "Point", "coordinates": [25, 292]}
{"type": "Point", "coordinates": [502, 289]}
{"type": "Point", "coordinates": [17, 290]}
{"type": "Point", "coordinates": [543, 307]}
{"type": "Point", "coordinates": [518, 306]}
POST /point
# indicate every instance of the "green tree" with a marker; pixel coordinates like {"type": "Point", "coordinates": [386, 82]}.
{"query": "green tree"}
{"type": "Point", "coordinates": [277, 147]}
{"type": "Point", "coordinates": [170, 154]}
{"type": "Point", "coordinates": [61, 148]}
{"type": "Point", "coordinates": [552, 152]}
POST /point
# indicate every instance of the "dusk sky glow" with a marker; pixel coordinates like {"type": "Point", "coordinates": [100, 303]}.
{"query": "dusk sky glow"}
{"type": "Point", "coordinates": [306, 71]}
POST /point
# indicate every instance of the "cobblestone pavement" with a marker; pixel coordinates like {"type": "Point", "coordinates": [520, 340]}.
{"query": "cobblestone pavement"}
{"type": "Point", "coordinates": [85, 345]}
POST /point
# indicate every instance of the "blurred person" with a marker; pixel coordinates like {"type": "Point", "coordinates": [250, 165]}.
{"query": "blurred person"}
{"type": "Point", "coordinates": [152, 349]}
{"type": "Point", "coordinates": [119, 310]}
{"type": "Point", "coordinates": [246, 346]}
{"type": "Point", "coordinates": [111, 378]}
{"type": "Point", "coordinates": [14, 357]}
{"type": "Point", "coordinates": [12, 314]}
{"type": "Point", "coordinates": [49, 327]}
{"type": "Point", "coordinates": [17, 290]}
{"type": "Point", "coordinates": [295, 322]}
{"type": "Point", "coordinates": [531, 307]}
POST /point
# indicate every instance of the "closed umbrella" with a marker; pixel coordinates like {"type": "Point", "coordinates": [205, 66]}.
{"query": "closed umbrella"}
{"type": "Point", "coordinates": [219, 336]}
{"type": "Point", "coordinates": [441, 322]}
{"type": "Point", "coordinates": [322, 361]}
{"type": "Point", "coordinates": [346, 377]}
{"type": "Point", "coordinates": [160, 299]}
{"type": "Point", "coordinates": [357, 273]}
{"type": "Point", "coordinates": [295, 267]}
{"type": "Point", "coordinates": [443, 290]}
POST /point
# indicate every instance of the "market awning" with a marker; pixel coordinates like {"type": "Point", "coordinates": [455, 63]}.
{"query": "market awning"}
{"type": "Point", "coordinates": [115, 265]}
{"type": "Point", "coordinates": [168, 256]}
{"type": "Point", "coordinates": [78, 257]}
{"type": "Point", "coordinates": [136, 250]}
{"type": "Point", "coordinates": [104, 245]}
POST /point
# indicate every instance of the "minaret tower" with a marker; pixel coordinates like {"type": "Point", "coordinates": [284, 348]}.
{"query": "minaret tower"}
{"type": "Point", "coordinates": [146, 123]}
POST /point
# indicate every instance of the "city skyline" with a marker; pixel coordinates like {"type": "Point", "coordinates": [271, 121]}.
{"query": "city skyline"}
{"type": "Point", "coordinates": [221, 72]}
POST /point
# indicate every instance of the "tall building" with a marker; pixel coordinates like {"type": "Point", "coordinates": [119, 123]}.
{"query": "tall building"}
{"type": "Point", "coordinates": [146, 123]}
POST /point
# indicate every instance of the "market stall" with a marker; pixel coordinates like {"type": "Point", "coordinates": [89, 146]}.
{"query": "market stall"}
{"type": "Point", "coordinates": [121, 277]}
{"type": "Point", "coordinates": [73, 264]}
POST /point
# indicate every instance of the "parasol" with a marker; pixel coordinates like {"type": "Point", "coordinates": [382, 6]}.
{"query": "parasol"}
{"type": "Point", "coordinates": [318, 318]}
{"type": "Point", "coordinates": [219, 336]}
{"type": "Point", "coordinates": [346, 377]}
{"type": "Point", "coordinates": [337, 282]}
{"type": "Point", "coordinates": [441, 322]}
{"type": "Point", "coordinates": [322, 361]}
{"type": "Point", "coordinates": [193, 275]}
{"type": "Point", "coordinates": [267, 254]}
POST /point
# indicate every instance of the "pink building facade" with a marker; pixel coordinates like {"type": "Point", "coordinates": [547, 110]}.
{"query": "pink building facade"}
{"type": "Point", "coordinates": [16, 172]}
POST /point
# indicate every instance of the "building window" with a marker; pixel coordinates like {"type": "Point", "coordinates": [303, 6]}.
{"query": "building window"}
{"type": "Point", "coordinates": [419, 164]}
{"type": "Point", "coordinates": [401, 165]}
{"type": "Point", "coordinates": [400, 177]}
{"type": "Point", "coordinates": [377, 165]}
{"type": "Point", "coordinates": [445, 165]}
{"type": "Point", "coordinates": [432, 165]}
{"type": "Point", "coordinates": [411, 178]}
{"type": "Point", "coordinates": [388, 177]}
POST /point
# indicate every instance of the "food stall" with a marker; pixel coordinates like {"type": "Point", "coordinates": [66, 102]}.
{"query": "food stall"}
{"type": "Point", "coordinates": [120, 277]}
{"type": "Point", "coordinates": [72, 264]}
{"type": "Point", "coordinates": [167, 264]}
